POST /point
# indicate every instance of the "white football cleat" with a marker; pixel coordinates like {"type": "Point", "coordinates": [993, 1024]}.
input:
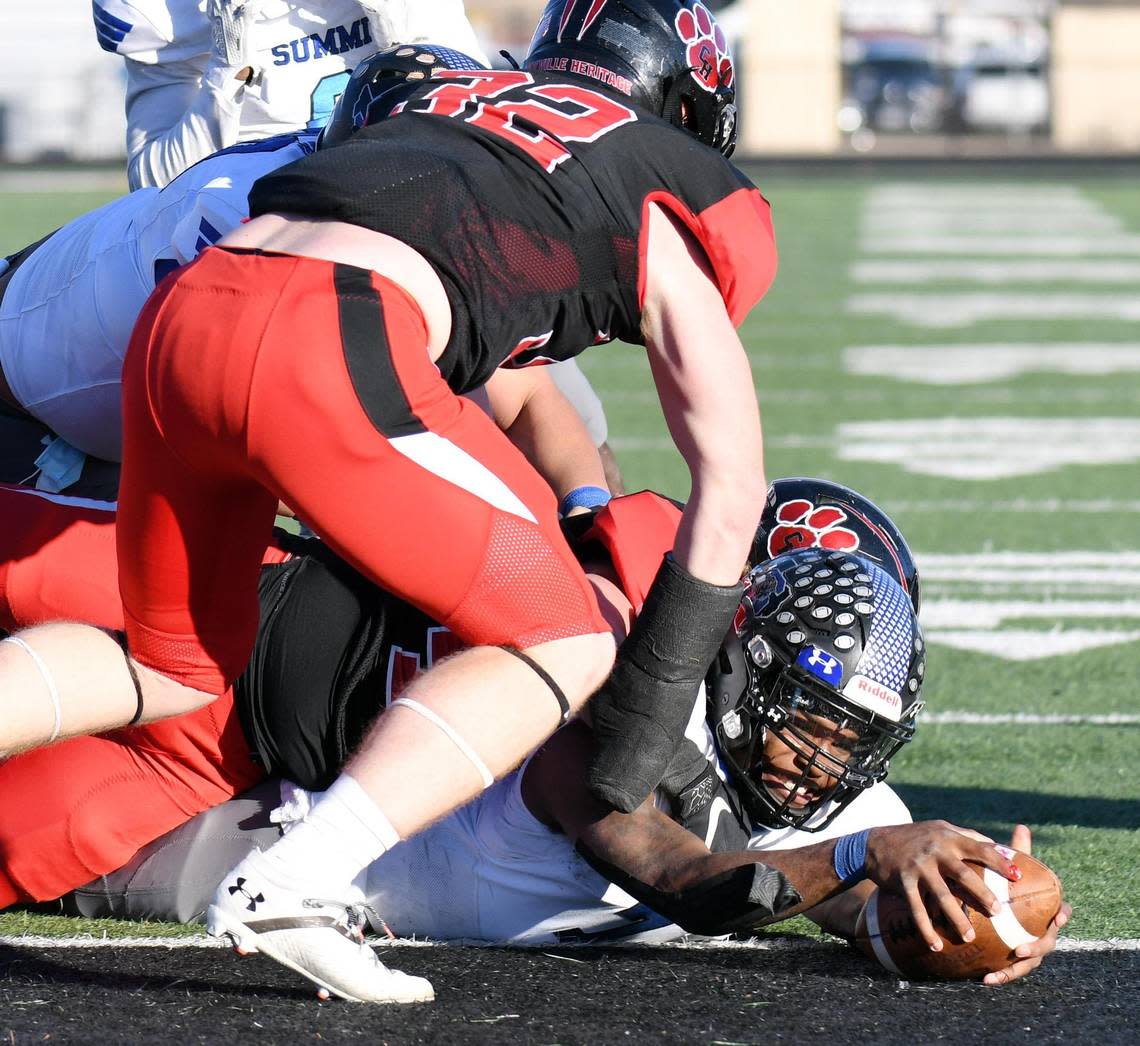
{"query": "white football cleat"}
{"type": "Point", "coordinates": [322, 940]}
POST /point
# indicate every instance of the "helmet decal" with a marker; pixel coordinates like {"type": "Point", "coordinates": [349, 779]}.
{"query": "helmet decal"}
{"type": "Point", "coordinates": [592, 13]}
{"type": "Point", "coordinates": [801, 525]}
{"type": "Point", "coordinates": [708, 53]}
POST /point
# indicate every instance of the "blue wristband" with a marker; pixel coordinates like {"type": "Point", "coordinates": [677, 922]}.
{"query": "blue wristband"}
{"type": "Point", "coordinates": [850, 856]}
{"type": "Point", "coordinates": [583, 497]}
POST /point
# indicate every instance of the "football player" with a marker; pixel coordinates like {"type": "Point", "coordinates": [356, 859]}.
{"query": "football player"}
{"type": "Point", "coordinates": [318, 355]}
{"type": "Point", "coordinates": [206, 74]}
{"type": "Point", "coordinates": [801, 705]}
{"type": "Point", "coordinates": [69, 302]}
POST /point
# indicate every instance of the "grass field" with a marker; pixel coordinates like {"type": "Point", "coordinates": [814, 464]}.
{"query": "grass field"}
{"type": "Point", "coordinates": [965, 351]}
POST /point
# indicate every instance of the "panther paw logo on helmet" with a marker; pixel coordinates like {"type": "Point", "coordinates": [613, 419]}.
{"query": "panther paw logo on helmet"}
{"type": "Point", "coordinates": [801, 525]}
{"type": "Point", "coordinates": [708, 54]}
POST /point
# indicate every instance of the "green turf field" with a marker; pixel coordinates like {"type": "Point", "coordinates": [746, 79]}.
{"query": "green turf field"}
{"type": "Point", "coordinates": [965, 351]}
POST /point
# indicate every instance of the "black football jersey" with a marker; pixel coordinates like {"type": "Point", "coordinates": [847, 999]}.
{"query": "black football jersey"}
{"type": "Point", "coordinates": [528, 196]}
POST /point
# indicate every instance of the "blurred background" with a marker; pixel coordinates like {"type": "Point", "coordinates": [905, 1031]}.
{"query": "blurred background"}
{"type": "Point", "coordinates": [818, 78]}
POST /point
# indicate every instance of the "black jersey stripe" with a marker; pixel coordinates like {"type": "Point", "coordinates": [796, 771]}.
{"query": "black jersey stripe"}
{"type": "Point", "coordinates": [368, 355]}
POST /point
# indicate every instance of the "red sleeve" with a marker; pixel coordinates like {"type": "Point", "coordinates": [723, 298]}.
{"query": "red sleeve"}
{"type": "Point", "coordinates": [736, 234]}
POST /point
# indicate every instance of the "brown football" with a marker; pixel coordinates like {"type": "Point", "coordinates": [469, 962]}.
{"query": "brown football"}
{"type": "Point", "coordinates": [886, 931]}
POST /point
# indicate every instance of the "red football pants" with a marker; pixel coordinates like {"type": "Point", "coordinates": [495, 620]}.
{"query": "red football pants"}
{"type": "Point", "coordinates": [82, 808]}
{"type": "Point", "coordinates": [253, 377]}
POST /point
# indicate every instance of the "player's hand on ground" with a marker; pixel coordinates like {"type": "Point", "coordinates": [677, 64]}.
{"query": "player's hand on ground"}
{"type": "Point", "coordinates": [923, 861]}
{"type": "Point", "coordinates": [1029, 956]}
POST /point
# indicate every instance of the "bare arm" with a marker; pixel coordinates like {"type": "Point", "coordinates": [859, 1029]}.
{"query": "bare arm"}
{"type": "Point", "coordinates": [706, 389]}
{"type": "Point", "coordinates": [542, 423]}
{"type": "Point", "coordinates": [668, 868]}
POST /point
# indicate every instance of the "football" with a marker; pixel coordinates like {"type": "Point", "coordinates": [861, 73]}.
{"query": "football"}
{"type": "Point", "coordinates": [886, 931]}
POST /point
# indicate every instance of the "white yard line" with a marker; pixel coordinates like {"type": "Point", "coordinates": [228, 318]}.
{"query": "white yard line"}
{"type": "Point", "coordinates": [1028, 719]}
{"type": "Point", "coordinates": [779, 944]}
{"type": "Point", "coordinates": [1123, 244]}
{"type": "Point", "coordinates": [1094, 506]}
{"type": "Point", "coordinates": [989, 272]}
{"type": "Point", "coordinates": [978, 362]}
{"type": "Point", "coordinates": [961, 310]}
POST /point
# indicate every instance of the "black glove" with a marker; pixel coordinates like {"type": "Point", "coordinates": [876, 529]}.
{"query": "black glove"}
{"type": "Point", "coordinates": [642, 709]}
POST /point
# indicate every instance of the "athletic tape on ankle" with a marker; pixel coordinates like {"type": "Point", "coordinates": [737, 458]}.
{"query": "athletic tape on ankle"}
{"type": "Point", "coordinates": [53, 693]}
{"type": "Point", "coordinates": [545, 676]}
{"type": "Point", "coordinates": [470, 753]}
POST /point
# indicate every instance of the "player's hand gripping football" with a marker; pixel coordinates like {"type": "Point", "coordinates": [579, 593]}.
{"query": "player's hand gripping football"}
{"type": "Point", "coordinates": [923, 861]}
{"type": "Point", "coordinates": [1029, 956]}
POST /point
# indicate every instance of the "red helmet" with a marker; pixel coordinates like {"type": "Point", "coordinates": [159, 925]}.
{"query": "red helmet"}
{"type": "Point", "coordinates": [667, 56]}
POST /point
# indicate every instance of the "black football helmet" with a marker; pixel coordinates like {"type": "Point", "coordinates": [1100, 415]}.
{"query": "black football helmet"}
{"type": "Point", "coordinates": [815, 513]}
{"type": "Point", "coordinates": [381, 81]}
{"type": "Point", "coordinates": [667, 56]}
{"type": "Point", "coordinates": [826, 653]}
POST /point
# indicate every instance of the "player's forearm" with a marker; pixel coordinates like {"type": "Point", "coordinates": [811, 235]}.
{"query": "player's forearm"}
{"type": "Point", "coordinates": [549, 432]}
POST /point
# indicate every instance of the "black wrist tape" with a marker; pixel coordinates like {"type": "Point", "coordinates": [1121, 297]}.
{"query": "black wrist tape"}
{"type": "Point", "coordinates": [641, 711]}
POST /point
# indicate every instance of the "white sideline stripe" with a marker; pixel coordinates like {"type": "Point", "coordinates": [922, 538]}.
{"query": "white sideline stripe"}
{"type": "Point", "coordinates": [1124, 244]}
{"type": "Point", "coordinates": [995, 194]}
{"type": "Point", "coordinates": [973, 271]}
{"type": "Point", "coordinates": [977, 363]}
{"type": "Point", "coordinates": [966, 613]}
{"type": "Point", "coordinates": [988, 448]}
{"type": "Point", "coordinates": [1045, 505]}
{"type": "Point", "coordinates": [959, 310]}
{"type": "Point", "coordinates": [953, 221]}
{"type": "Point", "coordinates": [781, 944]}
{"type": "Point", "coordinates": [1029, 644]}
{"type": "Point", "coordinates": [949, 563]}
{"type": "Point", "coordinates": [1028, 719]}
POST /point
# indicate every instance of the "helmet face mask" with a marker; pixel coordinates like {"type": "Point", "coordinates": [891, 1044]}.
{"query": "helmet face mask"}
{"type": "Point", "coordinates": [805, 720]}
{"type": "Point", "coordinates": [667, 56]}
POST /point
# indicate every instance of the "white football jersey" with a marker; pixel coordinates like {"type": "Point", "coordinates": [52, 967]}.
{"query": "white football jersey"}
{"type": "Point", "coordinates": [183, 105]}
{"type": "Point", "coordinates": [68, 311]}
{"type": "Point", "coordinates": [492, 871]}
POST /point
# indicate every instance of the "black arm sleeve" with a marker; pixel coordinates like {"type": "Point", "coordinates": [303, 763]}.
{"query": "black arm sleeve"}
{"type": "Point", "coordinates": [640, 713]}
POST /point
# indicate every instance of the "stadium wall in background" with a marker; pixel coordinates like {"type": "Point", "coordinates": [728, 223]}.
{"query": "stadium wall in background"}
{"type": "Point", "coordinates": [817, 78]}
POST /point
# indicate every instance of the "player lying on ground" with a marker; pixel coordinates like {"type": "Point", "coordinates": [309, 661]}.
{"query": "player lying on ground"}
{"type": "Point", "coordinates": [505, 868]}
{"type": "Point", "coordinates": [68, 304]}
{"type": "Point", "coordinates": [205, 74]}
{"type": "Point", "coordinates": [340, 323]}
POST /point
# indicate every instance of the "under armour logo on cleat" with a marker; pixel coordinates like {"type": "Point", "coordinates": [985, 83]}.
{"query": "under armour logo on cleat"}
{"type": "Point", "coordinates": [254, 901]}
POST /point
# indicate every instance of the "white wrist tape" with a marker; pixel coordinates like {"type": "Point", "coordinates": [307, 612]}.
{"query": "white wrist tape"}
{"type": "Point", "coordinates": [463, 746]}
{"type": "Point", "coordinates": [53, 693]}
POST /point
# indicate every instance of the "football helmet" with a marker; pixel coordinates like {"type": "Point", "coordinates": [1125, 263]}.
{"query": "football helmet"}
{"type": "Point", "coordinates": [801, 512]}
{"type": "Point", "coordinates": [826, 655]}
{"type": "Point", "coordinates": [667, 56]}
{"type": "Point", "coordinates": [380, 82]}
